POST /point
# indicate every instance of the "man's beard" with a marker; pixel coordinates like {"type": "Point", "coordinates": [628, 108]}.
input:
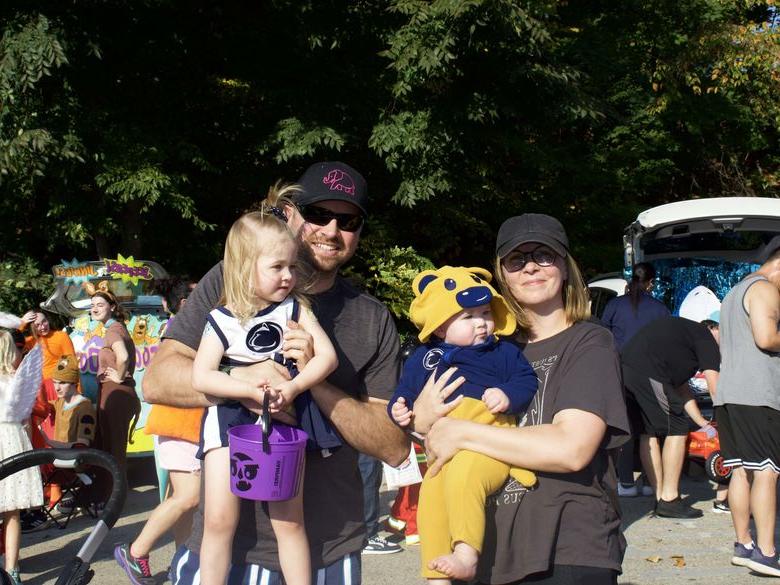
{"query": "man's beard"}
{"type": "Point", "coordinates": [326, 265]}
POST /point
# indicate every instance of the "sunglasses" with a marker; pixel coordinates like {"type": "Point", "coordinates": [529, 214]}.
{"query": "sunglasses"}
{"type": "Point", "coordinates": [517, 260]}
{"type": "Point", "coordinates": [346, 222]}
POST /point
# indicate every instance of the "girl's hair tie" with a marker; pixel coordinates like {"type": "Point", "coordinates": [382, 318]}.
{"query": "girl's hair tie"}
{"type": "Point", "coordinates": [277, 211]}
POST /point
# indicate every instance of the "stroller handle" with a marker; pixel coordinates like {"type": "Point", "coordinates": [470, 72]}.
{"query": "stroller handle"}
{"type": "Point", "coordinates": [69, 458]}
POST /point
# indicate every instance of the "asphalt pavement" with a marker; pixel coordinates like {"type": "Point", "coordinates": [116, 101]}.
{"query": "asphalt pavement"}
{"type": "Point", "coordinates": [660, 551]}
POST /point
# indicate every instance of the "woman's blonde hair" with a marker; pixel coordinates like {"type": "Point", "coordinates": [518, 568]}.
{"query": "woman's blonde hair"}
{"type": "Point", "coordinates": [576, 299]}
{"type": "Point", "coordinates": [247, 240]}
{"type": "Point", "coordinates": [7, 353]}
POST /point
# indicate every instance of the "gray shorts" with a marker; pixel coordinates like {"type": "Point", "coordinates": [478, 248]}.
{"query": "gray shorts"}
{"type": "Point", "coordinates": [185, 570]}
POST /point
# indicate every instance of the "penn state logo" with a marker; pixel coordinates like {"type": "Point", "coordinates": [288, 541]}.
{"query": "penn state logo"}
{"type": "Point", "coordinates": [432, 358]}
{"type": "Point", "coordinates": [264, 337]}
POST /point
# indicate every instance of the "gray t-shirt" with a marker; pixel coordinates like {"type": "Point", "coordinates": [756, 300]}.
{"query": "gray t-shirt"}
{"type": "Point", "coordinates": [568, 518]}
{"type": "Point", "coordinates": [366, 342]}
{"type": "Point", "coordinates": [748, 375]}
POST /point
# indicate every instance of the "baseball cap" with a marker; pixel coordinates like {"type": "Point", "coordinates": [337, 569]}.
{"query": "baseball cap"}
{"type": "Point", "coordinates": [531, 227]}
{"type": "Point", "coordinates": [769, 248]}
{"type": "Point", "coordinates": [333, 181]}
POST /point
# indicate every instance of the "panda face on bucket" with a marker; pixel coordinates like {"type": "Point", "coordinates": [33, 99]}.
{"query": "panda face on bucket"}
{"type": "Point", "coordinates": [244, 469]}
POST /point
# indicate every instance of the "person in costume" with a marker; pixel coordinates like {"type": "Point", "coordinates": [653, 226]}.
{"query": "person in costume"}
{"type": "Point", "coordinates": [464, 314]}
{"type": "Point", "coordinates": [74, 414]}
{"type": "Point", "coordinates": [261, 295]}
{"type": "Point", "coordinates": [24, 489]}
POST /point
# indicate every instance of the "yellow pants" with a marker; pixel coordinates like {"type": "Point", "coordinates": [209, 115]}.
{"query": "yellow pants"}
{"type": "Point", "coordinates": [452, 504]}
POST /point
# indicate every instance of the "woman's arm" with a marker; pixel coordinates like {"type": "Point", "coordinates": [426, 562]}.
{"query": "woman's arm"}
{"type": "Point", "coordinates": [566, 445]}
{"type": "Point", "coordinates": [207, 379]}
{"type": "Point", "coordinates": [120, 351]}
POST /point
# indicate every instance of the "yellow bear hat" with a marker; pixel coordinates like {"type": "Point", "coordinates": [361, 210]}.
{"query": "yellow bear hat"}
{"type": "Point", "coordinates": [440, 294]}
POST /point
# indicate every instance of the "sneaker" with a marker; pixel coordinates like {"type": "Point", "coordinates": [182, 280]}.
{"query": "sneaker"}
{"type": "Point", "coordinates": [34, 520]}
{"type": "Point", "coordinates": [647, 490]}
{"type": "Point", "coordinates": [721, 507]}
{"type": "Point", "coordinates": [742, 554]}
{"type": "Point", "coordinates": [760, 563]}
{"type": "Point", "coordinates": [380, 546]}
{"type": "Point", "coordinates": [395, 525]}
{"type": "Point", "coordinates": [15, 578]}
{"type": "Point", "coordinates": [136, 568]}
{"type": "Point", "coordinates": [66, 506]}
{"type": "Point", "coordinates": [412, 539]}
{"type": "Point", "coordinates": [627, 491]}
{"type": "Point", "coordinates": [676, 509]}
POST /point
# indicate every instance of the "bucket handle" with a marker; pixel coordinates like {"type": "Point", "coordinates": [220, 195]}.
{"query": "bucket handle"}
{"type": "Point", "coordinates": [265, 423]}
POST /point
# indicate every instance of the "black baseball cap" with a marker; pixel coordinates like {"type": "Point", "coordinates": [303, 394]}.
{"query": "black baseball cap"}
{"type": "Point", "coordinates": [531, 227]}
{"type": "Point", "coordinates": [769, 248]}
{"type": "Point", "coordinates": [333, 181]}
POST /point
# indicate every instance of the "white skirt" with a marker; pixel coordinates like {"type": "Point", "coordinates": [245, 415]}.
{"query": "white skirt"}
{"type": "Point", "coordinates": [23, 489]}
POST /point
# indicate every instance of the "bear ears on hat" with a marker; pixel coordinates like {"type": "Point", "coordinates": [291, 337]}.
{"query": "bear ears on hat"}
{"type": "Point", "coordinates": [426, 277]}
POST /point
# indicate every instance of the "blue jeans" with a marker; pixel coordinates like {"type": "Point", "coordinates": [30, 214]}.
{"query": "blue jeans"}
{"type": "Point", "coordinates": [371, 473]}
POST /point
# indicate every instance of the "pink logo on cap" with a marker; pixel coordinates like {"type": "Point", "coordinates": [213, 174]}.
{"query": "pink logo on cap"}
{"type": "Point", "coordinates": [339, 181]}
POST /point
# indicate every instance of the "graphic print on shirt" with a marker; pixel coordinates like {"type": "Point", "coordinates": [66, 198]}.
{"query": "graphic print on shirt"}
{"type": "Point", "coordinates": [264, 337]}
{"type": "Point", "coordinates": [432, 358]}
{"type": "Point", "coordinates": [542, 368]}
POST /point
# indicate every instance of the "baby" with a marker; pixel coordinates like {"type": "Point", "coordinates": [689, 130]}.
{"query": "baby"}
{"type": "Point", "coordinates": [464, 313]}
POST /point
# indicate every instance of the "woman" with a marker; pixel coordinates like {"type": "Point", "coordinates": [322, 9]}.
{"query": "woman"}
{"type": "Point", "coordinates": [567, 529]}
{"type": "Point", "coordinates": [625, 316]}
{"type": "Point", "coordinates": [118, 403]}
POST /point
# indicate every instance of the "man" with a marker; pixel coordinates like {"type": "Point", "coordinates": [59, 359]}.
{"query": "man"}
{"type": "Point", "coordinates": [747, 408]}
{"type": "Point", "coordinates": [328, 215]}
{"type": "Point", "coordinates": [657, 363]}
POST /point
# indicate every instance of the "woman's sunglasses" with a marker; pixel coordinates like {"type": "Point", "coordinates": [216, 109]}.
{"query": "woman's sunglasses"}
{"type": "Point", "coordinates": [347, 222]}
{"type": "Point", "coordinates": [517, 260]}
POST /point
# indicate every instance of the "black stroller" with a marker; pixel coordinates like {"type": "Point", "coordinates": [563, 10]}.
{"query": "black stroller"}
{"type": "Point", "coordinates": [77, 571]}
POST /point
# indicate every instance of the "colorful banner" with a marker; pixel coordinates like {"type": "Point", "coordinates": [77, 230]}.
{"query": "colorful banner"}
{"type": "Point", "coordinates": [128, 269]}
{"type": "Point", "coordinates": [75, 272]}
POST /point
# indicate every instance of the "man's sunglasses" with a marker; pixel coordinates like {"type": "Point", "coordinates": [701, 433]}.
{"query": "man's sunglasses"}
{"type": "Point", "coordinates": [347, 222]}
{"type": "Point", "coordinates": [516, 260]}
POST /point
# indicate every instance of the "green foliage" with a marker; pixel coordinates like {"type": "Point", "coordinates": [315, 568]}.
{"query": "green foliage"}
{"type": "Point", "coordinates": [23, 285]}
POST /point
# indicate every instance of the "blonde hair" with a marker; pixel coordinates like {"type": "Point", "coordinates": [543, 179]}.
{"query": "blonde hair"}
{"type": "Point", "coordinates": [576, 299]}
{"type": "Point", "coordinates": [245, 244]}
{"type": "Point", "coordinates": [7, 353]}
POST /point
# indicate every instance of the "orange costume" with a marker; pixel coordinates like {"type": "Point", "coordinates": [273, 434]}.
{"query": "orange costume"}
{"type": "Point", "coordinates": [54, 344]}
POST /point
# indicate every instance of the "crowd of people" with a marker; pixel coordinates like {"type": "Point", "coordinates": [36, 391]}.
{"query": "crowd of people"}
{"type": "Point", "coordinates": [515, 388]}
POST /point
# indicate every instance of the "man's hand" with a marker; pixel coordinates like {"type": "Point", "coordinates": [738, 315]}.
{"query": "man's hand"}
{"type": "Point", "coordinates": [298, 344]}
{"type": "Point", "coordinates": [401, 413]}
{"type": "Point", "coordinates": [496, 400]}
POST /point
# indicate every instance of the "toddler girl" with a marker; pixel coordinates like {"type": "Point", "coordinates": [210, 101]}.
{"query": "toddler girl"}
{"type": "Point", "coordinates": [260, 297]}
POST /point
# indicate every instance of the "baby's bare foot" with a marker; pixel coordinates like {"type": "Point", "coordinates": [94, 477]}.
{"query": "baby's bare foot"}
{"type": "Point", "coordinates": [461, 564]}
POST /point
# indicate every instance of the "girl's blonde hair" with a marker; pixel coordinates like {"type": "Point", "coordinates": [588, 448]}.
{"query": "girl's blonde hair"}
{"type": "Point", "coordinates": [576, 299]}
{"type": "Point", "coordinates": [247, 240]}
{"type": "Point", "coordinates": [7, 353]}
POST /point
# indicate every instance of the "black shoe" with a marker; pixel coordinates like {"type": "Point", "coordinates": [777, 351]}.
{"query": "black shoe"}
{"type": "Point", "coordinates": [676, 509]}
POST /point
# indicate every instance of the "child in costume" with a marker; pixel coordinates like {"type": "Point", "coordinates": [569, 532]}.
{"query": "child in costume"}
{"type": "Point", "coordinates": [74, 414]}
{"type": "Point", "coordinates": [22, 490]}
{"type": "Point", "coordinates": [260, 298]}
{"type": "Point", "coordinates": [463, 312]}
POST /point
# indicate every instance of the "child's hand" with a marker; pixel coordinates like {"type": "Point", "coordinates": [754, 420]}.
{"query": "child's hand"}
{"type": "Point", "coordinates": [496, 400]}
{"type": "Point", "coordinates": [401, 413]}
{"type": "Point", "coordinates": [287, 391]}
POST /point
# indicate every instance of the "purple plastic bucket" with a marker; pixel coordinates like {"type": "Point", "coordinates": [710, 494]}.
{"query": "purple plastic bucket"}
{"type": "Point", "coordinates": [269, 472]}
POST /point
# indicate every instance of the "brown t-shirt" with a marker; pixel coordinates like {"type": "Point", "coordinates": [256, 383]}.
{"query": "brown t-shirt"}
{"type": "Point", "coordinates": [367, 346]}
{"type": "Point", "coordinates": [116, 331]}
{"type": "Point", "coordinates": [569, 518]}
{"type": "Point", "coordinates": [74, 421]}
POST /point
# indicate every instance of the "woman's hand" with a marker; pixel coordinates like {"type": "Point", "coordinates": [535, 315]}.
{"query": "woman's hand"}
{"type": "Point", "coordinates": [298, 344]}
{"type": "Point", "coordinates": [430, 406]}
{"type": "Point", "coordinates": [28, 317]}
{"type": "Point", "coordinates": [112, 375]}
{"type": "Point", "coordinates": [442, 442]}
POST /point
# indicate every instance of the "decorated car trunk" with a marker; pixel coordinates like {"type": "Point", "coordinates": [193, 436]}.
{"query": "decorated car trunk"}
{"type": "Point", "coordinates": [132, 282]}
{"type": "Point", "coordinates": [700, 249]}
